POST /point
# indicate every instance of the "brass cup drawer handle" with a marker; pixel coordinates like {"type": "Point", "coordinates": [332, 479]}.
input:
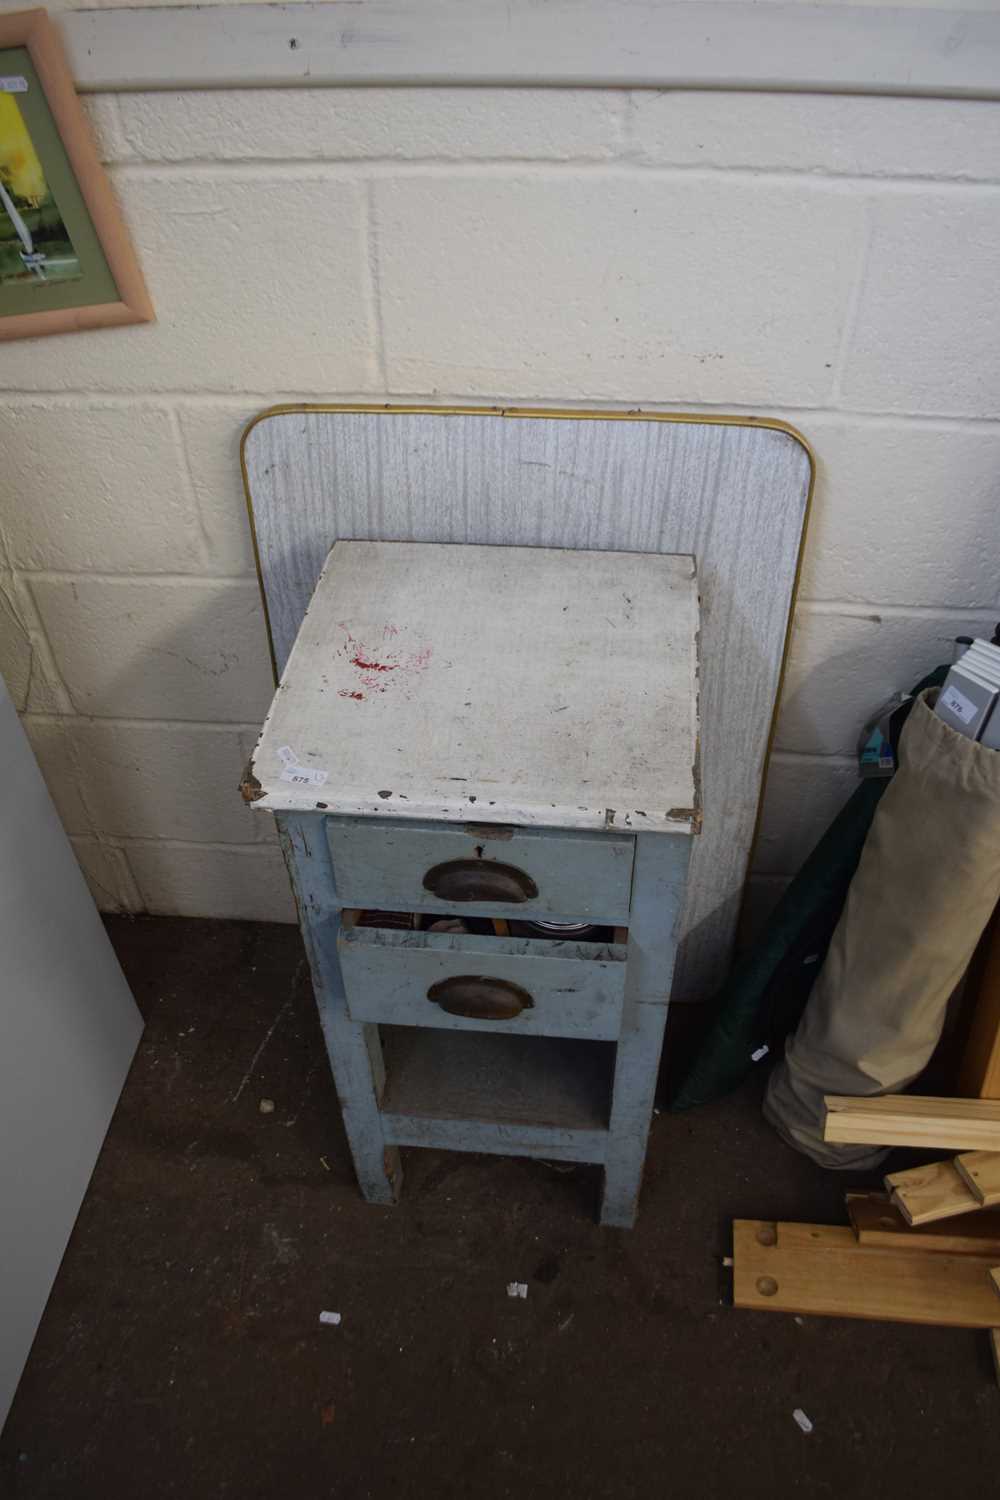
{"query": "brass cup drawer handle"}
{"type": "Point", "coordinates": [480, 998]}
{"type": "Point", "coordinates": [479, 880]}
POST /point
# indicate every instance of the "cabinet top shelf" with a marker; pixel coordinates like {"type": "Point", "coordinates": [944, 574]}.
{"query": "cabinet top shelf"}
{"type": "Point", "coordinates": [522, 685]}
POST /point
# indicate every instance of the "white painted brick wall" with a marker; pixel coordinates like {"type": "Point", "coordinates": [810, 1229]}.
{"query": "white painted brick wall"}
{"type": "Point", "coordinates": [841, 661]}
{"type": "Point", "coordinates": [673, 288]}
{"type": "Point", "coordinates": [804, 793]}
{"type": "Point", "coordinates": [825, 134]}
{"type": "Point", "coordinates": [150, 781]}
{"type": "Point", "coordinates": [904, 512]}
{"type": "Point", "coordinates": [96, 489]}
{"type": "Point", "coordinates": [211, 438]}
{"type": "Point", "coordinates": [831, 261]}
{"type": "Point", "coordinates": [26, 662]}
{"type": "Point", "coordinates": [260, 281]}
{"type": "Point", "coordinates": [155, 648]}
{"type": "Point", "coordinates": [928, 322]}
{"type": "Point", "coordinates": [108, 875]}
{"type": "Point", "coordinates": [204, 880]}
{"type": "Point", "coordinates": [375, 124]}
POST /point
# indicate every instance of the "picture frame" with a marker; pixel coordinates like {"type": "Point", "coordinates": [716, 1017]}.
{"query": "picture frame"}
{"type": "Point", "coordinates": [66, 260]}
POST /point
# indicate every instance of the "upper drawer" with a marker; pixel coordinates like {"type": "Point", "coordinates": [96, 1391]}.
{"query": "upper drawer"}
{"type": "Point", "coordinates": [531, 873]}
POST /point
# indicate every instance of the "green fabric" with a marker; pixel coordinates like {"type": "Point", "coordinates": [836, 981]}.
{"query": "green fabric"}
{"type": "Point", "coordinates": [766, 993]}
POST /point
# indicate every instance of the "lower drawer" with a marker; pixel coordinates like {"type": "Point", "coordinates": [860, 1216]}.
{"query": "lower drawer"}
{"type": "Point", "coordinates": [451, 980]}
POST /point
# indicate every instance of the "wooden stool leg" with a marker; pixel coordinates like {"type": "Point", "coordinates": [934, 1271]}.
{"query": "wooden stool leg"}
{"type": "Point", "coordinates": [659, 886]}
{"type": "Point", "coordinates": [354, 1050]}
{"type": "Point", "coordinates": [636, 1069]}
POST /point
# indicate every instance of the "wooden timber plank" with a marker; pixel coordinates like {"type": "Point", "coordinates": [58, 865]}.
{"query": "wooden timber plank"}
{"type": "Point", "coordinates": [821, 1269]}
{"type": "Point", "coordinates": [878, 1222]}
{"type": "Point", "coordinates": [994, 1276]}
{"type": "Point", "coordinates": [914, 1120]}
{"type": "Point", "coordinates": [935, 1191]}
{"type": "Point", "coordinates": [980, 1171]}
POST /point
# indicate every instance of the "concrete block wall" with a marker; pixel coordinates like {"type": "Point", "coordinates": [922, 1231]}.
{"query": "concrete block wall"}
{"type": "Point", "coordinates": [830, 261]}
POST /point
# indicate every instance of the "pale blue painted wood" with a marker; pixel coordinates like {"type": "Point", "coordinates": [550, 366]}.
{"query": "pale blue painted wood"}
{"type": "Point", "coordinates": [354, 1050]}
{"type": "Point", "coordinates": [661, 866]}
{"type": "Point", "coordinates": [551, 1142]}
{"type": "Point", "coordinates": [569, 1120]}
{"type": "Point", "coordinates": [577, 988]}
{"type": "Point", "coordinates": [581, 876]}
{"type": "Point", "coordinates": [530, 1083]}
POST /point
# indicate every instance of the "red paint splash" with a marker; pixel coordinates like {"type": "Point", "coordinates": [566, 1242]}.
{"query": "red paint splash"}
{"type": "Point", "coordinates": [344, 693]}
{"type": "Point", "coordinates": [373, 666]}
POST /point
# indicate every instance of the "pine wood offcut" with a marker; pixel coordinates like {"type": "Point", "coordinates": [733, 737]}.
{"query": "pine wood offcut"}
{"type": "Point", "coordinates": [914, 1120]}
{"type": "Point", "coordinates": [732, 492]}
{"type": "Point", "coordinates": [879, 1222]}
{"type": "Point", "coordinates": [936, 1191]}
{"type": "Point", "coordinates": [925, 1268]}
{"type": "Point", "coordinates": [821, 1269]}
{"type": "Point", "coordinates": [980, 1171]}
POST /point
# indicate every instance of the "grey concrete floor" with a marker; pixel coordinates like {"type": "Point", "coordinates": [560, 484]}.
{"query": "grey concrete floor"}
{"type": "Point", "coordinates": [181, 1352]}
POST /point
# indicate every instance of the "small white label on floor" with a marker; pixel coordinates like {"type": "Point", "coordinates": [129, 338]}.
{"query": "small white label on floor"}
{"type": "Point", "coordinates": [802, 1419]}
{"type": "Point", "coordinates": [962, 707]}
{"type": "Point", "coordinates": [761, 1052]}
{"type": "Point", "coordinates": [13, 84]}
{"type": "Point", "coordinates": [330, 1317]}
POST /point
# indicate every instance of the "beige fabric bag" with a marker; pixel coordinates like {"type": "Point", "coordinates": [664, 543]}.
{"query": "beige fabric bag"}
{"type": "Point", "coordinates": [926, 886]}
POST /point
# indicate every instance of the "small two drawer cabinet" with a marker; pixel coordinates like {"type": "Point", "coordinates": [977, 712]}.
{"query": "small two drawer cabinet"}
{"type": "Point", "coordinates": [483, 766]}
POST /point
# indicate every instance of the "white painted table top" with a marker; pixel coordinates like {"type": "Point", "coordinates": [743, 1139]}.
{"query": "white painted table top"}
{"type": "Point", "coordinates": [524, 685]}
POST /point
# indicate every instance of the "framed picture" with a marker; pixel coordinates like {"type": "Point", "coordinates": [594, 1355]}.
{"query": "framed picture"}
{"type": "Point", "coordinates": [66, 262]}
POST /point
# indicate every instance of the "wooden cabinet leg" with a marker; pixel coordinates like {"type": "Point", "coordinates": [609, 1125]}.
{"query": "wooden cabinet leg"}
{"type": "Point", "coordinates": [354, 1049]}
{"type": "Point", "coordinates": [636, 1069]}
{"type": "Point", "coordinates": [659, 887]}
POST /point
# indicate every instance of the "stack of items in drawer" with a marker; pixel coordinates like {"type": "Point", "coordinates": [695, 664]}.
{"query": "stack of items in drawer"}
{"type": "Point", "coordinates": [968, 699]}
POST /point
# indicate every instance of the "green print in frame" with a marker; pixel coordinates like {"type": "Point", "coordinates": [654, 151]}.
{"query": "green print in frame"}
{"type": "Point", "coordinates": [65, 259]}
